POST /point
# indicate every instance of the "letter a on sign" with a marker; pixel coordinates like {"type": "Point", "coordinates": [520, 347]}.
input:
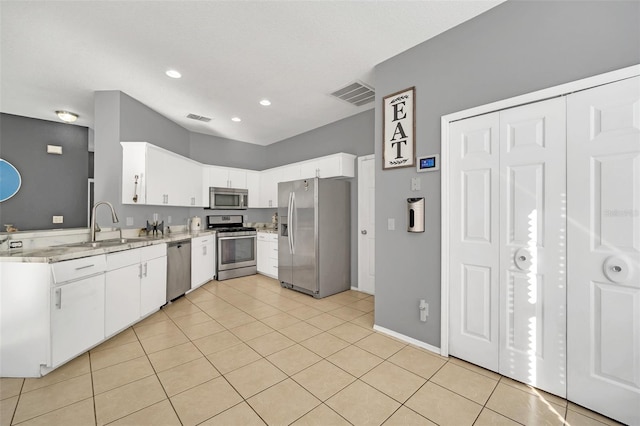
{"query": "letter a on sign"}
{"type": "Point", "coordinates": [399, 130]}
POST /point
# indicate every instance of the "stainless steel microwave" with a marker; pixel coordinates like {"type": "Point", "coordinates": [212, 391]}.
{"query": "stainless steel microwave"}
{"type": "Point", "coordinates": [228, 198]}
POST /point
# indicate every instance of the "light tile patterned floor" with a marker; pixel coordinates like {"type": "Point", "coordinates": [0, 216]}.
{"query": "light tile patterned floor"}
{"type": "Point", "coordinates": [247, 352]}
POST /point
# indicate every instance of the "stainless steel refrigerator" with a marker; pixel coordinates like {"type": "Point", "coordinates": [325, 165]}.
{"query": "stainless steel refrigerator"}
{"type": "Point", "coordinates": [314, 241]}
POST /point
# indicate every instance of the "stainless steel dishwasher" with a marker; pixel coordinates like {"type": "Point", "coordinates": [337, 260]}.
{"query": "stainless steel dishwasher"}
{"type": "Point", "coordinates": [178, 268]}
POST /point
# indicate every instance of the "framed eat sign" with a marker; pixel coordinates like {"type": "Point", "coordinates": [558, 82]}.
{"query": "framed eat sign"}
{"type": "Point", "coordinates": [399, 129]}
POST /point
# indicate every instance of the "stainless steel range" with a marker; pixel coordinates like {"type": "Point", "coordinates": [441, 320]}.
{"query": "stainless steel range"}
{"type": "Point", "coordinates": [236, 246]}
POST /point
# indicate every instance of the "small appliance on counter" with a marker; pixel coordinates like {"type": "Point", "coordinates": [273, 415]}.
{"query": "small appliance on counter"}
{"type": "Point", "coordinates": [195, 224]}
{"type": "Point", "coordinates": [236, 246]}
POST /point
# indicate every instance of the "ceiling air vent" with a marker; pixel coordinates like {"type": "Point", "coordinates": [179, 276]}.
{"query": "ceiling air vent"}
{"type": "Point", "coordinates": [199, 118]}
{"type": "Point", "coordinates": [356, 93]}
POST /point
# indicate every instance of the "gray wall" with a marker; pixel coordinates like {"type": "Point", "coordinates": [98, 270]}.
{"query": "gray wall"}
{"type": "Point", "coordinates": [353, 135]}
{"type": "Point", "coordinates": [515, 48]}
{"type": "Point", "coordinates": [51, 184]}
{"type": "Point", "coordinates": [227, 152]}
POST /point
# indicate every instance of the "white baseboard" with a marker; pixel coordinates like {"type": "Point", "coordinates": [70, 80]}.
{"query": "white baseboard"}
{"type": "Point", "coordinates": [407, 339]}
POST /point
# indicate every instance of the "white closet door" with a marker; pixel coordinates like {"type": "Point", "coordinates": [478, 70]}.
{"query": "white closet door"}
{"type": "Point", "coordinates": [474, 242]}
{"type": "Point", "coordinates": [604, 249]}
{"type": "Point", "coordinates": [533, 244]}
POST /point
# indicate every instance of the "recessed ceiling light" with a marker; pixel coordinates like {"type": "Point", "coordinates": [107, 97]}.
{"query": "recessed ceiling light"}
{"type": "Point", "coordinates": [173, 74]}
{"type": "Point", "coordinates": [236, 119]}
{"type": "Point", "coordinates": [265, 102]}
{"type": "Point", "coordinates": [66, 116]}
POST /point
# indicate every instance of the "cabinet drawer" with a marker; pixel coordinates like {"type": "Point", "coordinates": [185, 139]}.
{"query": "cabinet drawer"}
{"type": "Point", "coordinates": [123, 258]}
{"type": "Point", "coordinates": [73, 269]}
{"type": "Point", "coordinates": [263, 236]}
{"type": "Point", "coordinates": [152, 252]}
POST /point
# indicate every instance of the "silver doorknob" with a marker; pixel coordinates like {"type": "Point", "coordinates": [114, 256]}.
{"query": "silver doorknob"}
{"type": "Point", "coordinates": [616, 268]}
{"type": "Point", "coordinates": [522, 258]}
{"type": "Point", "coordinates": [363, 232]}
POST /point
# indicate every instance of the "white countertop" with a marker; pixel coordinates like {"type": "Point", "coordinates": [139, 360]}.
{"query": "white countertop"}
{"type": "Point", "coordinates": [59, 253]}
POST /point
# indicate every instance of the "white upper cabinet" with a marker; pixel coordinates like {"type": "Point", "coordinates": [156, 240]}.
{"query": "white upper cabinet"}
{"type": "Point", "coordinates": [253, 185]}
{"type": "Point", "coordinates": [335, 165]}
{"type": "Point", "coordinates": [155, 176]}
{"type": "Point", "coordinates": [227, 177]}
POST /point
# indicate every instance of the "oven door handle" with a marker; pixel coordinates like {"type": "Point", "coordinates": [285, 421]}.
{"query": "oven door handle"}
{"type": "Point", "coordinates": [237, 238]}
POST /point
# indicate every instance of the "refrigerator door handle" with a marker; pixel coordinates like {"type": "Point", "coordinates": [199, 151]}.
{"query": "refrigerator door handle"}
{"type": "Point", "coordinates": [290, 230]}
{"type": "Point", "coordinates": [293, 218]}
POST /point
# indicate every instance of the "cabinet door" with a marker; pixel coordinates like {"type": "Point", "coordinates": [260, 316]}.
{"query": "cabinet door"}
{"type": "Point", "coordinates": [133, 173]}
{"type": "Point", "coordinates": [191, 184]}
{"type": "Point", "coordinates": [202, 260]}
{"type": "Point", "coordinates": [262, 255]}
{"type": "Point", "coordinates": [237, 178]}
{"type": "Point", "coordinates": [253, 186]}
{"type": "Point", "coordinates": [122, 298]}
{"type": "Point", "coordinates": [160, 172]}
{"type": "Point", "coordinates": [153, 285]}
{"type": "Point", "coordinates": [309, 169]}
{"type": "Point", "coordinates": [219, 176]}
{"type": "Point", "coordinates": [77, 317]}
{"type": "Point", "coordinates": [268, 190]}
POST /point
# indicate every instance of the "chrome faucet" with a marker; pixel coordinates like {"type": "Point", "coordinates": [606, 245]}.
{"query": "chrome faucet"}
{"type": "Point", "coordinates": [114, 218]}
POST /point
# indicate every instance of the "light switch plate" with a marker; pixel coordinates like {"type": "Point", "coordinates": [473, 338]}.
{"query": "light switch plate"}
{"type": "Point", "coordinates": [415, 184]}
{"type": "Point", "coordinates": [391, 224]}
{"type": "Point", "coordinates": [58, 219]}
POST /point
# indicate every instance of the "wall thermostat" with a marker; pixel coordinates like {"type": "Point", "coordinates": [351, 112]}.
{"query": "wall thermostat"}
{"type": "Point", "coordinates": [428, 163]}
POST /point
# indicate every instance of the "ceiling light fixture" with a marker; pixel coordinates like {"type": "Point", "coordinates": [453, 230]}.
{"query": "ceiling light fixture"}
{"type": "Point", "coordinates": [236, 119]}
{"type": "Point", "coordinates": [66, 116]}
{"type": "Point", "coordinates": [265, 102]}
{"type": "Point", "coordinates": [173, 74]}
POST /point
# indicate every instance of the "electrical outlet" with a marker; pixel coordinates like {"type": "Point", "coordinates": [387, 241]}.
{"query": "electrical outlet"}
{"type": "Point", "coordinates": [423, 307]}
{"type": "Point", "coordinates": [169, 219]}
{"type": "Point", "coordinates": [129, 221]}
{"type": "Point", "coordinates": [58, 219]}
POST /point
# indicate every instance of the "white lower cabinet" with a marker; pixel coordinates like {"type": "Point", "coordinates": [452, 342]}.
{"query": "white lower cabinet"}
{"type": "Point", "coordinates": [153, 284]}
{"type": "Point", "coordinates": [77, 307]}
{"type": "Point", "coordinates": [136, 285]}
{"type": "Point", "coordinates": [267, 258]}
{"type": "Point", "coordinates": [202, 260]}
{"type": "Point", "coordinates": [77, 317]}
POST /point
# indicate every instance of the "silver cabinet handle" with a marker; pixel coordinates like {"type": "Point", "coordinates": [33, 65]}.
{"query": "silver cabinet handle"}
{"type": "Point", "coordinates": [145, 268]}
{"type": "Point", "coordinates": [363, 232]}
{"type": "Point", "coordinates": [85, 267]}
{"type": "Point", "coordinates": [204, 250]}
{"type": "Point", "coordinates": [616, 268]}
{"type": "Point", "coordinates": [522, 258]}
{"type": "Point", "coordinates": [59, 298]}
{"type": "Point", "coordinates": [140, 271]}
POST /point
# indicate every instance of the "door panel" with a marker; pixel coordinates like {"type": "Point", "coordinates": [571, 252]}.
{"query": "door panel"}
{"type": "Point", "coordinates": [305, 265]}
{"type": "Point", "coordinates": [604, 260]}
{"type": "Point", "coordinates": [532, 253]}
{"type": "Point", "coordinates": [366, 224]}
{"type": "Point", "coordinates": [285, 256]}
{"type": "Point", "coordinates": [474, 243]}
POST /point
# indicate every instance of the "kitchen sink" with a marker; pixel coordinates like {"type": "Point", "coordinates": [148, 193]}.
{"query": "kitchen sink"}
{"type": "Point", "coordinates": [103, 243]}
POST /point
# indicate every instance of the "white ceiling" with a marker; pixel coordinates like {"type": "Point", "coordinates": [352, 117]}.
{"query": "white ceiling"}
{"type": "Point", "coordinates": [55, 54]}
